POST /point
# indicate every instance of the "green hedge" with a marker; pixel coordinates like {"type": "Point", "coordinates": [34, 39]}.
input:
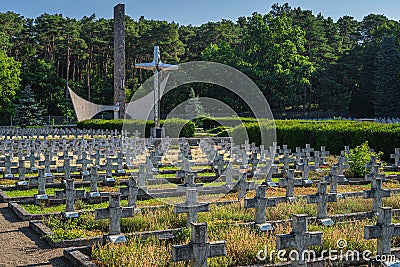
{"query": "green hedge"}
{"type": "Point", "coordinates": [208, 123]}
{"type": "Point", "coordinates": [186, 127]}
{"type": "Point", "coordinates": [332, 134]}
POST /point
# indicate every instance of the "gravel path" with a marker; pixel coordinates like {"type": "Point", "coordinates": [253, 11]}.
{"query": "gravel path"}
{"type": "Point", "coordinates": [20, 246]}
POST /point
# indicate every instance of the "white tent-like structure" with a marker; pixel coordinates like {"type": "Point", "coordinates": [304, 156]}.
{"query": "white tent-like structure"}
{"type": "Point", "coordinates": [86, 110]}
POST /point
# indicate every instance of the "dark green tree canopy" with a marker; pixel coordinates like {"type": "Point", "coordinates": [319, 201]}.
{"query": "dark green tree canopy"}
{"type": "Point", "coordinates": [302, 62]}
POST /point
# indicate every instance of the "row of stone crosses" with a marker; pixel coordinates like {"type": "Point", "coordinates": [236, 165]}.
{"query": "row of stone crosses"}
{"type": "Point", "coordinates": [115, 212]}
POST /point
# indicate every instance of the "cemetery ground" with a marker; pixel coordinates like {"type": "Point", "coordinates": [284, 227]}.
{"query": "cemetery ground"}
{"type": "Point", "coordinates": [116, 200]}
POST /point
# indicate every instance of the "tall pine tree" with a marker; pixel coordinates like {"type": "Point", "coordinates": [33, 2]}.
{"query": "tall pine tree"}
{"type": "Point", "coordinates": [28, 110]}
{"type": "Point", "coordinates": [387, 79]}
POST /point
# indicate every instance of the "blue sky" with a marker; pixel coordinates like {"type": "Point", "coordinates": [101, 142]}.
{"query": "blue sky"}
{"type": "Point", "coordinates": [196, 12]}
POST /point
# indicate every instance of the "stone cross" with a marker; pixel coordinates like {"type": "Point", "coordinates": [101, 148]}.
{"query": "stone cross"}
{"type": "Point", "coordinates": [191, 206]}
{"type": "Point", "coordinates": [333, 178]}
{"type": "Point", "coordinates": [396, 157]}
{"type": "Point", "coordinates": [114, 213]}
{"type": "Point", "coordinates": [41, 195]}
{"type": "Point", "coordinates": [298, 155]}
{"type": "Point", "coordinates": [307, 151]}
{"type": "Point", "coordinates": [84, 163]}
{"type": "Point", "coordinates": [384, 230]}
{"type": "Point", "coordinates": [228, 176]}
{"type": "Point", "coordinates": [41, 182]}
{"type": "Point", "coordinates": [142, 177]}
{"type": "Point", "coordinates": [21, 170]}
{"type": "Point", "coordinates": [377, 194]}
{"type": "Point", "coordinates": [322, 198]}
{"type": "Point", "coordinates": [32, 161]}
{"type": "Point", "coordinates": [260, 202]}
{"type": "Point", "coordinates": [286, 160]}
{"type": "Point", "coordinates": [324, 153]}
{"type": "Point", "coordinates": [374, 173]}
{"type": "Point", "coordinates": [371, 164]}
{"type": "Point", "coordinates": [304, 167]}
{"type": "Point", "coordinates": [47, 164]}
{"type": "Point", "coordinates": [7, 165]}
{"type": "Point", "coordinates": [199, 249]}
{"type": "Point", "coordinates": [70, 194]}
{"type": "Point", "coordinates": [67, 168]}
{"type": "Point", "coordinates": [243, 185]}
{"type": "Point", "coordinates": [289, 182]}
{"type": "Point", "coordinates": [342, 165]}
{"type": "Point", "coordinates": [299, 239]}
{"type": "Point", "coordinates": [94, 179]}
{"type": "Point", "coordinates": [317, 160]}
{"type": "Point", "coordinates": [254, 161]}
{"type": "Point", "coordinates": [120, 158]}
{"type": "Point", "coordinates": [109, 167]}
{"type": "Point", "coordinates": [131, 191]}
{"type": "Point", "coordinates": [271, 168]}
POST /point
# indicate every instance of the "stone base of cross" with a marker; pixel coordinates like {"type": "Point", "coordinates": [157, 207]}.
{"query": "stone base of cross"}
{"type": "Point", "coordinates": [199, 249]}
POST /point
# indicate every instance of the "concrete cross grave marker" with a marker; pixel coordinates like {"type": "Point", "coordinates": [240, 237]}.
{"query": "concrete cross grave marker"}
{"type": "Point", "coordinates": [32, 162]}
{"type": "Point", "coordinates": [372, 164]}
{"type": "Point", "coordinates": [70, 194]}
{"type": "Point", "coordinates": [21, 174]}
{"type": "Point", "coordinates": [260, 202]}
{"type": "Point", "coordinates": [199, 249]}
{"type": "Point", "coordinates": [290, 182]}
{"type": "Point", "coordinates": [396, 157]}
{"type": "Point", "coordinates": [41, 195]}
{"type": "Point", "coordinates": [132, 191]}
{"type": "Point", "coordinates": [322, 198]}
{"type": "Point", "coordinates": [120, 169]}
{"type": "Point", "coordinates": [244, 161]}
{"type": "Point", "coordinates": [285, 160]}
{"type": "Point", "coordinates": [191, 206]}
{"type": "Point", "coordinates": [109, 180]}
{"type": "Point", "coordinates": [93, 196]}
{"type": "Point", "coordinates": [142, 178]}
{"type": "Point", "coordinates": [84, 161]}
{"type": "Point", "coordinates": [377, 194]}
{"type": "Point", "coordinates": [324, 153]}
{"type": "Point", "coordinates": [342, 165]}
{"type": "Point", "coordinates": [189, 183]}
{"type": "Point", "coordinates": [307, 151]}
{"type": "Point", "coordinates": [298, 155]}
{"type": "Point", "coordinates": [228, 176]}
{"type": "Point", "coordinates": [114, 213]}
{"type": "Point", "coordinates": [7, 165]}
{"type": "Point", "coordinates": [299, 239]}
{"type": "Point", "coordinates": [305, 168]}
{"type": "Point", "coordinates": [271, 168]}
{"type": "Point", "coordinates": [383, 231]}
{"type": "Point", "coordinates": [317, 161]}
{"type": "Point", "coordinates": [47, 165]}
{"type": "Point", "coordinates": [243, 185]}
{"type": "Point", "coordinates": [333, 178]}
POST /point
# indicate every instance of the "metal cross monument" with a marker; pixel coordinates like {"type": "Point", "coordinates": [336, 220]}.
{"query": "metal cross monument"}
{"type": "Point", "coordinates": [156, 66]}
